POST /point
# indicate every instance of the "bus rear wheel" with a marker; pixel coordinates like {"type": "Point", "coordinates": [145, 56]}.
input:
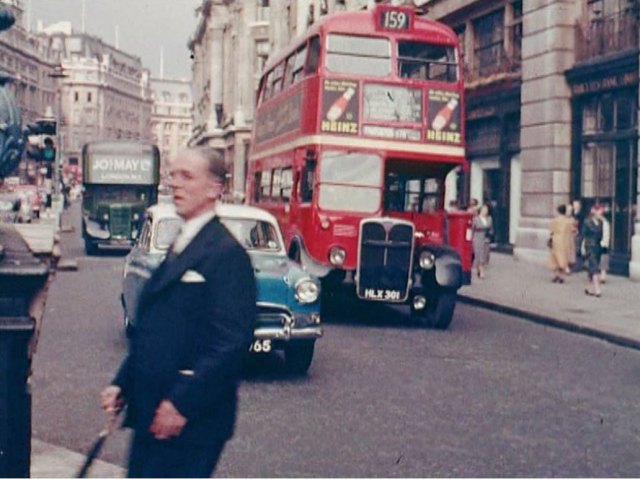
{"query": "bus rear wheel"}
{"type": "Point", "coordinates": [438, 312]}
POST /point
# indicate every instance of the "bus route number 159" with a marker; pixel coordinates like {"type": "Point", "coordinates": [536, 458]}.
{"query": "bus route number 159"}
{"type": "Point", "coordinates": [395, 20]}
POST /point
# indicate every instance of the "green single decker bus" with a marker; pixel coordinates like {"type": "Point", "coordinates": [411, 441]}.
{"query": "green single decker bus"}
{"type": "Point", "coordinates": [120, 181]}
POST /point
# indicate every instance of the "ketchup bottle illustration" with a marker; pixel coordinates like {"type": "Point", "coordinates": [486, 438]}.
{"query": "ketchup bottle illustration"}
{"type": "Point", "coordinates": [340, 105]}
{"type": "Point", "coordinates": [443, 117]}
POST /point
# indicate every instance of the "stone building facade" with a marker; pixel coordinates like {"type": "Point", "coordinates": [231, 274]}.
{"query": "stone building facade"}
{"type": "Point", "coordinates": [560, 115]}
{"type": "Point", "coordinates": [551, 102]}
{"type": "Point", "coordinates": [105, 92]}
{"type": "Point", "coordinates": [170, 117]}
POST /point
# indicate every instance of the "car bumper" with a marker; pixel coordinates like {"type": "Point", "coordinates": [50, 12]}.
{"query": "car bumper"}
{"type": "Point", "coordinates": [280, 324]}
{"type": "Point", "coordinates": [287, 334]}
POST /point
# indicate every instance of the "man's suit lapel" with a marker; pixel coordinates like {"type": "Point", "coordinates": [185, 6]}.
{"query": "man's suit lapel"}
{"type": "Point", "coordinates": [168, 272]}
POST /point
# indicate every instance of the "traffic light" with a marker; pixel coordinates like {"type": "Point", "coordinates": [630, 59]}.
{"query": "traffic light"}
{"type": "Point", "coordinates": [48, 153]}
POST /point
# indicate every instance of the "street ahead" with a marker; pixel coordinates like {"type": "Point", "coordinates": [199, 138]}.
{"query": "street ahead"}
{"type": "Point", "coordinates": [492, 396]}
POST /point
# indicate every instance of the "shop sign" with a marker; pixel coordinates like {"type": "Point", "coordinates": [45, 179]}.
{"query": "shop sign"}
{"type": "Point", "coordinates": [606, 83]}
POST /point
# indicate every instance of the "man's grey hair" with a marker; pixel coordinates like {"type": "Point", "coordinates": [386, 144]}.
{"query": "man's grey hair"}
{"type": "Point", "coordinates": [215, 161]}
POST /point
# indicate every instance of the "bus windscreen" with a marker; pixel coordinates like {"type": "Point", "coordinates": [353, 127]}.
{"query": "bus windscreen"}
{"type": "Point", "coordinates": [354, 54]}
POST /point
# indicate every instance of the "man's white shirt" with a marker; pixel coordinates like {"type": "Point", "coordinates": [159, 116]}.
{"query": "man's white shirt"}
{"type": "Point", "coordinates": [190, 229]}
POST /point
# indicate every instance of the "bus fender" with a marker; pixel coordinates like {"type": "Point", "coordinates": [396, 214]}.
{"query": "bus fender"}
{"type": "Point", "coordinates": [447, 266]}
{"type": "Point", "coordinates": [448, 270]}
{"type": "Point", "coordinates": [92, 229]}
{"type": "Point", "coordinates": [308, 263]}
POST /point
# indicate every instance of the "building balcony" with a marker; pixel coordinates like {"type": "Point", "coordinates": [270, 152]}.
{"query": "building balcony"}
{"type": "Point", "coordinates": [607, 35]}
{"type": "Point", "coordinates": [492, 66]}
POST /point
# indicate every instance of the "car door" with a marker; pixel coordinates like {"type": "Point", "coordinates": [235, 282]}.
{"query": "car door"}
{"type": "Point", "coordinates": [136, 271]}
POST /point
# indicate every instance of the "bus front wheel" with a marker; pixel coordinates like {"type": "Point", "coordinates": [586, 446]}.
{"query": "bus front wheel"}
{"type": "Point", "coordinates": [90, 247]}
{"type": "Point", "coordinates": [438, 312]}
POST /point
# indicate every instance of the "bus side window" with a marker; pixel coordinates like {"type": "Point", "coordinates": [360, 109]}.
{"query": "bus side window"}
{"type": "Point", "coordinates": [306, 183]}
{"type": "Point", "coordinates": [286, 183]}
{"type": "Point", "coordinates": [265, 185]}
{"type": "Point", "coordinates": [262, 89]}
{"type": "Point", "coordinates": [276, 181]}
{"type": "Point", "coordinates": [278, 73]}
{"type": "Point", "coordinates": [313, 59]}
{"type": "Point", "coordinates": [288, 70]}
{"type": "Point", "coordinates": [268, 93]}
{"type": "Point", "coordinates": [298, 65]}
{"type": "Point", "coordinates": [257, 179]}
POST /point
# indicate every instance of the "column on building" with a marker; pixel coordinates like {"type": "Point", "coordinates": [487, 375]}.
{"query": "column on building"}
{"type": "Point", "coordinates": [545, 138]}
{"type": "Point", "coordinates": [216, 74]}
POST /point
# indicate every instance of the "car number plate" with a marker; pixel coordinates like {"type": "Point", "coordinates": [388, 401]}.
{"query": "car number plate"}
{"type": "Point", "coordinates": [260, 346]}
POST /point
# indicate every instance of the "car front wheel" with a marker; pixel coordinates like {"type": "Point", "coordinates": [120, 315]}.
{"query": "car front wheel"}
{"type": "Point", "coordinates": [298, 356]}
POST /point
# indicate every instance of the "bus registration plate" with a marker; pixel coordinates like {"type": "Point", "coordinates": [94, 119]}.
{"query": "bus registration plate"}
{"type": "Point", "coordinates": [382, 294]}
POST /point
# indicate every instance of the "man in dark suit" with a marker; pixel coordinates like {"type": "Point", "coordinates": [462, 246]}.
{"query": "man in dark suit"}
{"type": "Point", "coordinates": [194, 325]}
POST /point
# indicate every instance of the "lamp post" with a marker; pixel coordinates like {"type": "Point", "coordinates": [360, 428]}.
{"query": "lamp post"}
{"type": "Point", "coordinates": [58, 73]}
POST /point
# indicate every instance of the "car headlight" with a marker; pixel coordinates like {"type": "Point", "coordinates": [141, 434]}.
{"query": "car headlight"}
{"type": "Point", "coordinates": [307, 291]}
{"type": "Point", "coordinates": [136, 217]}
{"type": "Point", "coordinates": [105, 217]}
{"type": "Point", "coordinates": [337, 255]}
{"type": "Point", "coordinates": [427, 260]}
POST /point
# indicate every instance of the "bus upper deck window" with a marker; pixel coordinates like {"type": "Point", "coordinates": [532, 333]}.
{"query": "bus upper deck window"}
{"type": "Point", "coordinates": [425, 61]}
{"type": "Point", "coordinates": [298, 64]}
{"type": "Point", "coordinates": [314, 56]}
{"type": "Point", "coordinates": [356, 54]}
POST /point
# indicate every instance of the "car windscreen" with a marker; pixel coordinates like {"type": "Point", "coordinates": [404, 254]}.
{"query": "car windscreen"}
{"type": "Point", "coordinates": [254, 234]}
{"type": "Point", "coordinates": [166, 231]}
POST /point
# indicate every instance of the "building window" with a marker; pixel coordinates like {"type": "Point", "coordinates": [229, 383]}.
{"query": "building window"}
{"type": "Point", "coordinates": [76, 97]}
{"type": "Point", "coordinates": [88, 97]}
{"type": "Point", "coordinates": [262, 53]}
{"type": "Point", "coordinates": [515, 32]}
{"type": "Point", "coordinates": [489, 43]}
{"type": "Point", "coordinates": [262, 11]}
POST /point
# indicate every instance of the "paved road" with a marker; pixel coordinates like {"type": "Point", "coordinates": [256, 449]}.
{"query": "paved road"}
{"type": "Point", "coordinates": [493, 396]}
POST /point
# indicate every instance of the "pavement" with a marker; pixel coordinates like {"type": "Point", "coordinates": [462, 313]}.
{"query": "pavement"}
{"type": "Point", "coordinates": [515, 287]}
{"type": "Point", "coordinates": [524, 289]}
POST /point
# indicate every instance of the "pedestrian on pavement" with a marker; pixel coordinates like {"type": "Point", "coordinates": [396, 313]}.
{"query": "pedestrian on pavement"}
{"type": "Point", "coordinates": [194, 325]}
{"type": "Point", "coordinates": [561, 242]}
{"type": "Point", "coordinates": [604, 244]}
{"type": "Point", "coordinates": [578, 218]}
{"type": "Point", "coordinates": [592, 237]}
{"type": "Point", "coordinates": [571, 252]}
{"type": "Point", "coordinates": [474, 206]}
{"type": "Point", "coordinates": [482, 232]}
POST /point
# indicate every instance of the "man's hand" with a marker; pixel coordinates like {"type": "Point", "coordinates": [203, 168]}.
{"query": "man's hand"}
{"type": "Point", "coordinates": [112, 401]}
{"type": "Point", "coordinates": [168, 421]}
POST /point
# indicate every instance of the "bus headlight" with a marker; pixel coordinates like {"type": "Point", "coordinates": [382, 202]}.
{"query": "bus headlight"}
{"type": "Point", "coordinates": [337, 255]}
{"type": "Point", "coordinates": [307, 291]}
{"type": "Point", "coordinates": [427, 260]}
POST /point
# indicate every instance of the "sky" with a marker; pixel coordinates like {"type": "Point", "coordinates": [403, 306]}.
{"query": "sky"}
{"type": "Point", "coordinates": [145, 27]}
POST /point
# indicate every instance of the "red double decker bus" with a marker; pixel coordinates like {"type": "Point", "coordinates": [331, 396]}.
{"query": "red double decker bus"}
{"type": "Point", "coordinates": [357, 125]}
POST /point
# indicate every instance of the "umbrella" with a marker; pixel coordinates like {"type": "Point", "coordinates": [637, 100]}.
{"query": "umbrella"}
{"type": "Point", "coordinates": [98, 443]}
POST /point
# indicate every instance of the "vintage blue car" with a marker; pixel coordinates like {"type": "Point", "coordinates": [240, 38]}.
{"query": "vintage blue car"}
{"type": "Point", "coordinates": [288, 297]}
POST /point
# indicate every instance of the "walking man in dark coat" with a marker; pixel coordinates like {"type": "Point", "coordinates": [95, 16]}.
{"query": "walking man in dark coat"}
{"type": "Point", "coordinates": [194, 325]}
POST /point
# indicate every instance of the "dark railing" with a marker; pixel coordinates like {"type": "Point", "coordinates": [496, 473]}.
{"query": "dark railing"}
{"type": "Point", "coordinates": [494, 63]}
{"type": "Point", "coordinates": [607, 35]}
